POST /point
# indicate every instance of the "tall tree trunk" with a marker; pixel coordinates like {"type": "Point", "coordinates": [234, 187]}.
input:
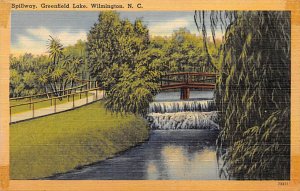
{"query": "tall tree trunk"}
{"type": "Point", "coordinates": [46, 90]}
{"type": "Point", "coordinates": [65, 86]}
{"type": "Point", "coordinates": [54, 89]}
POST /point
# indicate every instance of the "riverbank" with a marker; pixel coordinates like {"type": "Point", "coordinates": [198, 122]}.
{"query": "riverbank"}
{"type": "Point", "coordinates": [188, 154]}
{"type": "Point", "coordinates": [62, 142]}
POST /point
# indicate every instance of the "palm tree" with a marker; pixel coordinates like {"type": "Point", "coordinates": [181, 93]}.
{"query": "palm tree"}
{"type": "Point", "coordinates": [55, 49]}
{"type": "Point", "coordinates": [43, 80]}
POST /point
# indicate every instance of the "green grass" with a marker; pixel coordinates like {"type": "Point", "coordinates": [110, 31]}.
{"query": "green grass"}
{"type": "Point", "coordinates": [62, 142]}
{"type": "Point", "coordinates": [24, 108]}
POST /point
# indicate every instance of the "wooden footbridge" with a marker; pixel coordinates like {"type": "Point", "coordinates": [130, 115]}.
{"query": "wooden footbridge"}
{"type": "Point", "coordinates": [188, 80]}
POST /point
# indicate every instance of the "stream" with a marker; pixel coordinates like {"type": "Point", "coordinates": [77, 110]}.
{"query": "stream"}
{"type": "Point", "coordinates": [181, 145]}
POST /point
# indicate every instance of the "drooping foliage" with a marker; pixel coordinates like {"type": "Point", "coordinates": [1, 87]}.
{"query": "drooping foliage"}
{"type": "Point", "coordinates": [253, 95]}
{"type": "Point", "coordinates": [134, 91]}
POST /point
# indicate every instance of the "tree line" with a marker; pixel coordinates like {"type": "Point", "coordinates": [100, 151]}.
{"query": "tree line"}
{"type": "Point", "coordinates": [60, 69]}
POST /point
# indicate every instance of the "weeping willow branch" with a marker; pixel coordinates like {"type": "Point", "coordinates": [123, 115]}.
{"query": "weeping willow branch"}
{"type": "Point", "coordinates": [216, 20]}
{"type": "Point", "coordinates": [253, 91]}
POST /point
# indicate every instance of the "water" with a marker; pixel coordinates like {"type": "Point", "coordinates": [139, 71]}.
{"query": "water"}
{"type": "Point", "coordinates": [181, 106]}
{"type": "Point", "coordinates": [183, 120]}
{"type": "Point", "coordinates": [173, 113]}
{"type": "Point", "coordinates": [168, 155]}
{"type": "Point", "coordinates": [181, 144]}
{"type": "Point", "coordinates": [171, 96]}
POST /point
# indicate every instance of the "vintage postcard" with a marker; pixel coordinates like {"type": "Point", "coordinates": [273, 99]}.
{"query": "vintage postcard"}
{"type": "Point", "coordinates": [148, 95]}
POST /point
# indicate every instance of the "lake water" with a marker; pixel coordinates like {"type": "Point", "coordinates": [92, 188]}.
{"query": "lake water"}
{"type": "Point", "coordinates": [168, 155]}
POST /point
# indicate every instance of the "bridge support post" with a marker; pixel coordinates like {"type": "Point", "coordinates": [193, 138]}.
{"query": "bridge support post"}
{"type": "Point", "coordinates": [184, 93]}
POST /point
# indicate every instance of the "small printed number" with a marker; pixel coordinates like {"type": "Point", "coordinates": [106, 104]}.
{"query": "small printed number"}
{"type": "Point", "coordinates": [283, 183]}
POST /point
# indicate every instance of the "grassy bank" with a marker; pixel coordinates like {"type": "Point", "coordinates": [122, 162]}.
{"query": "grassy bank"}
{"type": "Point", "coordinates": [61, 142]}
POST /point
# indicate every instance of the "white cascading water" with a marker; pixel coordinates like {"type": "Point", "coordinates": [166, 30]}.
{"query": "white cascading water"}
{"type": "Point", "coordinates": [183, 115]}
{"type": "Point", "coordinates": [180, 106]}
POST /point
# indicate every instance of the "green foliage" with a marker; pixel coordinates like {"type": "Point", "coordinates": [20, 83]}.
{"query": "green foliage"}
{"type": "Point", "coordinates": [78, 52]}
{"type": "Point", "coordinates": [25, 74]}
{"type": "Point", "coordinates": [134, 92]}
{"type": "Point", "coordinates": [41, 74]}
{"type": "Point", "coordinates": [184, 51]}
{"type": "Point", "coordinates": [253, 96]}
{"type": "Point", "coordinates": [113, 43]}
{"type": "Point", "coordinates": [116, 52]}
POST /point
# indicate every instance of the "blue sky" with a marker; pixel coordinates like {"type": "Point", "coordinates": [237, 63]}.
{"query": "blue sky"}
{"type": "Point", "coordinates": [30, 30]}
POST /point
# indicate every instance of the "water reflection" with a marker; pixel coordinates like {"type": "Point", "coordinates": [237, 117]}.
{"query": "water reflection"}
{"type": "Point", "coordinates": [169, 154]}
{"type": "Point", "coordinates": [182, 164]}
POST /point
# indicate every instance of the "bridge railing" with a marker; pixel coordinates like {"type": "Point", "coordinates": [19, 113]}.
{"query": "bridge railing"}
{"type": "Point", "coordinates": [188, 78]}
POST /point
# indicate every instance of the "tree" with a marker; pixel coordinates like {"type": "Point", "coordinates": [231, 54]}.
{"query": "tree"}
{"type": "Point", "coordinates": [78, 51]}
{"type": "Point", "coordinates": [43, 74]}
{"type": "Point", "coordinates": [103, 48]}
{"type": "Point", "coordinates": [253, 95]}
{"type": "Point", "coordinates": [185, 52]}
{"type": "Point", "coordinates": [113, 42]}
{"type": "Point", "coordinates": [115, 49]}
{"type": "Point", "coordinates": [22, 75]}
{"type": "Point", "coordinates": [64, 69]}
{"type": "Point", "coordinates": [133, 93]}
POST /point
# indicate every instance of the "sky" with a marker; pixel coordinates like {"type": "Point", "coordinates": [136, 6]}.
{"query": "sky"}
{"type": "Point", "coordinates": [30, 30]}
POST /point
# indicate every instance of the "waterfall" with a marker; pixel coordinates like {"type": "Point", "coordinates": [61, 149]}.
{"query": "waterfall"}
{"type": "Point", "coordinates": [198, 114]}
{"type": "Point", "coordinates": [183, 120]}
{"type": "Point", "coordinates": [180, 106]}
